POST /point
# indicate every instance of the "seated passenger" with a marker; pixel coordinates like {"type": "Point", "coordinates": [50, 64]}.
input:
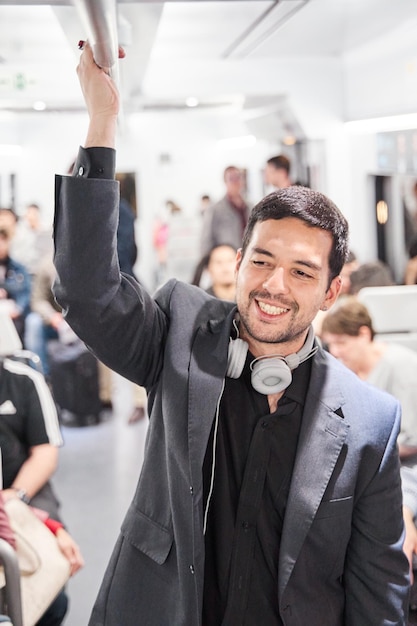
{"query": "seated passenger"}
{"type": "Point", "coordinates": [15, 284]}
{"type": "Point", "coordinates": [348, 333]}
{"type": "Point", "coordinates": [56, 612]}
{"type": "Point", "coordinates": [29, 441]}
{"type": "Point", "coordinates": [371, 274]}
{"type": "Point", "coordinates": [221, 265]}
{"type": "Point", "coordinates": [45, 320]}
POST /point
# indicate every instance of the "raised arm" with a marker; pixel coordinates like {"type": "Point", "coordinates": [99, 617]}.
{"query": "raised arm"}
{"type": "Point", "coordinates": [102, 100]}
{"type": "Point", "coordinates": [112, 313]}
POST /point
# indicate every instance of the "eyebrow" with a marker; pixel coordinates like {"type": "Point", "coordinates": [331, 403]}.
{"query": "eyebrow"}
{"type": "Point", "coordinates": [303, 262]}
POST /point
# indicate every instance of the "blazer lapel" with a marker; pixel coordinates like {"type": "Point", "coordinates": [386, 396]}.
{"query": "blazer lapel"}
{"type": "Point", "coordinates": [208, 366]}
{"type": "Point", "coordinates": [322, 435]}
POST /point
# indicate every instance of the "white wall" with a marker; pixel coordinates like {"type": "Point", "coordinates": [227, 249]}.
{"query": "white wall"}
{"type": "Point", "coordinates": [50, 142]}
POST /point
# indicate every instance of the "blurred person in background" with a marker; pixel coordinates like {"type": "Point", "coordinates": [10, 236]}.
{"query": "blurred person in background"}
{"type": "Point", "coordinates": [226, 219]}
{"type": "Point", "coordinates": [277, 172]}
{"type": "Point", "coordinates": [31, 241]}
{"type": "Point", "coordinates": [348, 333]}
{"type": "Point", "coordinates": [15, 285]}
{"type": "Point", "coordinates": [370, 274]}
{"type": "Point", "coordinates": [29, 441]}
{"type": "Point", "coordinates": [221, 267]}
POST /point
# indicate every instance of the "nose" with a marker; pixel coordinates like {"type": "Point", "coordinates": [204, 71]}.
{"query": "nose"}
{"type": "Point", "coordinates": [275, 283]}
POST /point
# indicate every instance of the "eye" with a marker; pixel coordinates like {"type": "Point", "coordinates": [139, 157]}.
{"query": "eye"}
{"type": "Point", "coordinates": [258, 263]}
{"type": "Point", "coordinates": [302, 274]}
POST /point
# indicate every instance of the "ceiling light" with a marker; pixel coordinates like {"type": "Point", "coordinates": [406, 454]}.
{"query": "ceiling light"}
{"type": "Point", "coordinates": [191, 101]}
{"type": "Point", "coordinates": [380, 124]}
{"type": "Point", "coordinates": [39, 105]}
{"type": "Point", "coordinates": [382, 212]}
{"type": "Point", "coordinates": [9, 149]}
{"type": "Point", "coordinates": [289, 140]}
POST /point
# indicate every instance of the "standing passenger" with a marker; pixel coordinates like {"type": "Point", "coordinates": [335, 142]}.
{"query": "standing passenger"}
{"type": "Point", "coordinates": [277, 172]}
{"type": "Point", "coordinates": [226, 220]}
{"type": "Point", "coordinates": [270, 490]}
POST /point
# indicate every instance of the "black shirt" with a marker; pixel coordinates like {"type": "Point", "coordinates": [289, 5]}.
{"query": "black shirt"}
{"type": "Point", "coordinates": [254, 458]}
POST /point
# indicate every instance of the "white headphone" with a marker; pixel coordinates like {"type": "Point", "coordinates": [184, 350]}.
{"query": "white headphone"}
{"type": "Point", "coordinates": [270, 374]}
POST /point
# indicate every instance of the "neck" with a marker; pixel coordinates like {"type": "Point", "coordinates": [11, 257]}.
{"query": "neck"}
{"type": "Point", "coordinates": [370, 359]}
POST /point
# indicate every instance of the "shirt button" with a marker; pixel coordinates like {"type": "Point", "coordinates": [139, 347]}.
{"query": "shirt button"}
{"type": "Point", "coordinates": [191, 490]}
{"type": "Point", "coordinates": [264, 424]}
{"type": "Point", "coordinates": [80, 170]}
{"type": "Point", "coordinates": [245, 525]}
{"type": "Point", "coordinates": [192, 569]}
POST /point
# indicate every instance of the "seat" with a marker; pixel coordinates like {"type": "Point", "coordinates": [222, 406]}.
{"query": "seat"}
{"type": "Point", "coordinates": [9, 338]}
{"type": "Point", "coordinates": [393, 310]}
{"type": "Point", "coordinates": [10, 597]}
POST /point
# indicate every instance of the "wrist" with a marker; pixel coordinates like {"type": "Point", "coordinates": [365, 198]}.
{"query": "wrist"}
{"type": "Point", "coordinates": [21, 494]}
{"type": "Point", "coordinates": [102, 132]}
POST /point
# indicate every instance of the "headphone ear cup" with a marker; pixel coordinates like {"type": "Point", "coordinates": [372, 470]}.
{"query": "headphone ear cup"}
{"type": "Point", "coordinates": [271, 376]}
{"type": "Point", "coordinates": [236, 357]}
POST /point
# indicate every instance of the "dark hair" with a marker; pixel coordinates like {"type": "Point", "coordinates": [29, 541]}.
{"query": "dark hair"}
{"type": "Point", "coordinates": [217, 246]}
{"type": "Point", "coordinates": [372, 274]}
{"type": "Point", "coordinates": [280, 162]}
{"type": "Point", "coordinates": [347, 318]}
{"type": "Point", "coordinates": [313, 208]}
{"type": "Point", "coordinates": [199, 269]}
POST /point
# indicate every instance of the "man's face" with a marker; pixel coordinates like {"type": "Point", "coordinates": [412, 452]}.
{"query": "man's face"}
{"type": "Point", "coordinates": [221, 266]}
{"type": "Point", "coordinates": [277, 177]}
{"type": "Point", "coordinates": [282, 281]}
{"type": "Point", "coordinates": [234, 182]}
{"type": "Point", "coordinates": [349, 350]}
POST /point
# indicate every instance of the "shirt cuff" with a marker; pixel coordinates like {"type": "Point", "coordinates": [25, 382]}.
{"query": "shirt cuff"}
{"type": "Point", "coordinates": [95, 163]}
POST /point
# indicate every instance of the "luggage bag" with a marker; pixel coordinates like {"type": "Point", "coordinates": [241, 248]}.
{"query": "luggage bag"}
{"type": "Point", "coordinates": [74, 381]}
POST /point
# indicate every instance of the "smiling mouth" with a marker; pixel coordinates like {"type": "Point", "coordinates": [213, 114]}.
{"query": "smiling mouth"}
{"type": "Point", "coordinates": [270, 309]}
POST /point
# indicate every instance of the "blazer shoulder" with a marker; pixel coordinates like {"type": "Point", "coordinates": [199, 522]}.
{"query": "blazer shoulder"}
{"type": "Point", "coordinates": [338, 381]}
{"type": "Point", "coordinates": [178, 299]}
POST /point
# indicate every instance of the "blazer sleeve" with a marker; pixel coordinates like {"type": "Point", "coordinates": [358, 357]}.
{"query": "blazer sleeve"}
{"type": "Point", "coordinates": [376, 570]}
{"type": "Point", "coordinates": [111, 312]}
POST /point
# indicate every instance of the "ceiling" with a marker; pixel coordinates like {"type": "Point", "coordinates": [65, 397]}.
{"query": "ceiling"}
{"type": "Point", "coordinates": [195, 40]}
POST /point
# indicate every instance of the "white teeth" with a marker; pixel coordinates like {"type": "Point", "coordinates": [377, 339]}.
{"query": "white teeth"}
{"type": "Point", "coordinates": [271, 310]}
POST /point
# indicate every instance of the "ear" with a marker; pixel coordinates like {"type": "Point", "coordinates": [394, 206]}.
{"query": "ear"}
{"type": "Point", "coordinates": [332, 293]}
{"type": "Point", "coordinates": [238, 260]}
{"type": "Point", "coordinates": [365, 332]}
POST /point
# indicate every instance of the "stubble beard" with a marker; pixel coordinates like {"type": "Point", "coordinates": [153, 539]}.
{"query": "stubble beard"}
{"type": "Point", "coordinates": [268, 333]}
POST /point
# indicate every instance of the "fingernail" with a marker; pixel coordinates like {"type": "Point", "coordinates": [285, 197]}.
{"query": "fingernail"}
{"type": "Point", "coordinates": [81, 44]}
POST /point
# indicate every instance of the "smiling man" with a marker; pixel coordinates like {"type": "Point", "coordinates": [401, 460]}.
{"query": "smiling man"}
{"type": "Point", "coordinates": [270, 489]}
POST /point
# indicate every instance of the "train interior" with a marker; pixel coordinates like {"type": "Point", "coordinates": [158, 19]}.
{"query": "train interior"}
{"type": "Point", "coordinates": [332, 84]}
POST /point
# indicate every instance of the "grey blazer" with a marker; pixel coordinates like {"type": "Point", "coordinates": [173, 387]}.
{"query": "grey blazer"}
{"type": "Point", "coordinates": [341, 559]}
